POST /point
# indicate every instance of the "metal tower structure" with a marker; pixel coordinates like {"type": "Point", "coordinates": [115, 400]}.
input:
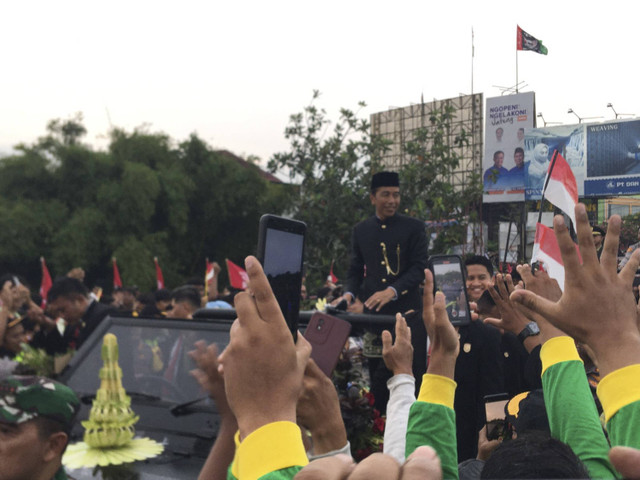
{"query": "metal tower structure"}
{"type": "Point", "coordinates": [399, 124]}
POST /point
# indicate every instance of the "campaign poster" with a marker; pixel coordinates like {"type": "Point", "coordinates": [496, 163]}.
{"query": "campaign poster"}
{"type": "Point", "coordinates": [540, 143]}
{"type": "Point", "coordinates": [613, 158]}
{"type": "Point", "coordinates": [506, 119]}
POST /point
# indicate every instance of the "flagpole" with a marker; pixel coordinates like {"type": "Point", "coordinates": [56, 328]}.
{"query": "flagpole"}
{"type": "Point", "coordinates": [516, 69]}
{"type": "Point", "coordinates": [472, 56]}
{"type": "Point", "coordinates": [546, 183]}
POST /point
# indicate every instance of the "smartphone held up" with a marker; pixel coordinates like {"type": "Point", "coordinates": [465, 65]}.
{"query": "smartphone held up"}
{"type": "Point", "coordinates": [449, 278]}
{"type": "Point", "coordinates": [281, 253]}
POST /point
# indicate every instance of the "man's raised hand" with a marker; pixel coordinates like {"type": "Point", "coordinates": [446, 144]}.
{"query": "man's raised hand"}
{"type": "Point", "coordinates": [444, 338]}
{"type": "Point", "coordinates": [597, 307]}
{"type": "Point", "coordinates": [263, 368]}
{"type": "Point", "coordinates": [398, 356]}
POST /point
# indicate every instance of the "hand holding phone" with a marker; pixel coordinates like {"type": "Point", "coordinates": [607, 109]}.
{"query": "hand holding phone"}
{"type": "Point", "coordinates": [496, 424]}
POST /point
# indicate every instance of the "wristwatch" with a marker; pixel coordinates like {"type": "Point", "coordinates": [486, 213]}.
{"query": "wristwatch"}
{"type": "Point", "coordinates": [529, 331]}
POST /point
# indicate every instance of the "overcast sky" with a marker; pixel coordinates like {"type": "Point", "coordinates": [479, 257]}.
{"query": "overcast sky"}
{"type": "Point", "coordinates": [234, 71]}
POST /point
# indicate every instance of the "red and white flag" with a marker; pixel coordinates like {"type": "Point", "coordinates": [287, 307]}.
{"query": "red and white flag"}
{"type": "Point", "coordinates": [159, 277]}
{"type": "Point", "coordinates": [117, 281]}
{"type": "Point", "coordinates": [547, 251]}
{"type": "Point", "coordinates": [209, 272]}
{"type": "Point", "coordinates": [238, 277]}
{"type": "Point", "coordinates": [332, 276]}
{"type": "Point", "coordinates": [562, 190]}
{"type": "Point", "coordinates": [45, 284]}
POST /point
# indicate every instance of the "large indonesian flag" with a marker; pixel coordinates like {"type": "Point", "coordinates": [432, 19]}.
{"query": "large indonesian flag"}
{"type": "Point", "coordinates": [561, 189]}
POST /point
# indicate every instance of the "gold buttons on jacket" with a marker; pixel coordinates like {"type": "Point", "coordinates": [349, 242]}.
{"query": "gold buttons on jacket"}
{"type": "Point", "coordinates": [384, 226]}
{"type": "Point", "coordinates": [384, 280]}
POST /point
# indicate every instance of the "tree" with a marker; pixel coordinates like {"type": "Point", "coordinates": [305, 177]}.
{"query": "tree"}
{"type": "Point", "coordinates": [145, 196]}
{"type": "Point", "coordinates": [427, 190]}
{"type": "Point", "coordinates": [333, 173]}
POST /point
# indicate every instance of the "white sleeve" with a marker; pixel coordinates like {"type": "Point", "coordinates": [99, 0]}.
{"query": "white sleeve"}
{"type": "Point", "coordinates": [401, 396]}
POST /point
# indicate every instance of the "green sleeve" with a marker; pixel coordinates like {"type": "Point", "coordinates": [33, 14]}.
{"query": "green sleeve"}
{"type": "Point", "coordinates": [573, 417]}
{"type": "Point", "coordinates": [432, 422]}
{"type": "Point", "coordinates": [434, 425]}
{"type": "Point", "coordinates": [283, 474]}
{"type": "Point", "coordinates": [619, 393]}
{"type": "Point", "coordinates": [623, 426]}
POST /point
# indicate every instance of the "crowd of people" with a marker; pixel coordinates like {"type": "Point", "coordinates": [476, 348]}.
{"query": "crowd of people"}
{"type": "Point", "coordinates": [567, 361]}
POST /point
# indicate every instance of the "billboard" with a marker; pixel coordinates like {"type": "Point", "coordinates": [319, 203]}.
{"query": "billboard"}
{"type": "Point", "coordinates": [613, 158]}
{"type": "Point", "coordinates": [539, 146]}
{"type": "Point", "coordinates": [604, 157]}
{"type": "Point", "coordinates": [506, 119]}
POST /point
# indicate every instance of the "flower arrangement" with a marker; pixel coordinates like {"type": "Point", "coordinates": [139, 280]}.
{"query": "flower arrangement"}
{"type": "Point", "coordinates": [363, 422]}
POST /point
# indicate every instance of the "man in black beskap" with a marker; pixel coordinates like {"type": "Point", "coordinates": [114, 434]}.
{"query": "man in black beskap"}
{"type": "Point", "coordinates": [69, 298]}
{"type": "Point", "coordinates": [388, 258]}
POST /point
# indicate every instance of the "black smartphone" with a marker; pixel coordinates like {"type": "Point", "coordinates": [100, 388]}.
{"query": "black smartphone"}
{"type": "Point", "coordinates": [494, 407]}
{"type": "Point", "coordinates": [281, 253]}
{"type": "Point", "coordinates": [449, 278]}
{"type": "Point", "coordinates": [327, 335]}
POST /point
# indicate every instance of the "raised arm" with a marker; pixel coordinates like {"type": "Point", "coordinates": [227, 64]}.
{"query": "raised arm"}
{"type": "Point", "coordinates": [263, 371]}
{"type": "Point", "coordinates": [598, 309]}
{"type": "Point", "coordinates": [432, 420]}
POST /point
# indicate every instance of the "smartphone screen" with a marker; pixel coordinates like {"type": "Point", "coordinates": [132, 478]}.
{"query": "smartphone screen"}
{"type": "Point", "coordinates": [281, 252]}
{"type": "Point", "coordinates": [494, 409]}
{"type": "Point", "coordinates": [449, 278]}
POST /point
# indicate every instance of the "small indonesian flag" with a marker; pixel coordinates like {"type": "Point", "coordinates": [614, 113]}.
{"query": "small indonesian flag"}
{"type": "Point", "coordinates": [45, 284]}
{"type": "Point", "coordinates": [332, 276]}
{"type": "Point", "coordinates": [238, 277]}
{"type": "Point", "coordinates": [547, 251]}
{"type": "Point", "coordinates": [117, 281]}
{"type": "Point", "coordinates": [209, 273]}
{"type": "Point", "coordinates": [562, 190]}
{"type": "Point", "coordinates": [159, 277]}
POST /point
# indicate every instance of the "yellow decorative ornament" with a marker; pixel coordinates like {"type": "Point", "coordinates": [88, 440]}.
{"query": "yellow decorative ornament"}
{"type": "Point", "coordinates": [109, 431]}
{"type": "Point", "coordinates": [321, 304]}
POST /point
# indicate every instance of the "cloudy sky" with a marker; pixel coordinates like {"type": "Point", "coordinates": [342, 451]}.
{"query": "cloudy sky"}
{"type": "Point", "coordinates": [233, 72]}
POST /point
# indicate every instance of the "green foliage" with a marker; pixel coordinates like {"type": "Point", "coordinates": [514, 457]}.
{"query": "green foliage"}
{"type": "Point", "coordinates": [145, 196]}
{"type": "Point", "coordinates": [333, 170]}
{"type": "Point", "coordinates": [35, 361]}
{"type": "Point", "coordinates": [427, 191]}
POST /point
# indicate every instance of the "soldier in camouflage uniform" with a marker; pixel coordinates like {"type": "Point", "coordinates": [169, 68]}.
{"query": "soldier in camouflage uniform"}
{"type": "Point", "coordinates": [36, 416]}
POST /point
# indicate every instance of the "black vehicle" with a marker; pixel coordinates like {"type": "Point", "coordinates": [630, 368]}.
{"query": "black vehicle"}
{"type": "Point", "coordinates": [173, 409]}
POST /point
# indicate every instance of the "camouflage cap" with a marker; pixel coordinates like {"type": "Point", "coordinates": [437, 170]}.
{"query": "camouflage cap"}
{"type": "Point", "coordinates": [23, 398]}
